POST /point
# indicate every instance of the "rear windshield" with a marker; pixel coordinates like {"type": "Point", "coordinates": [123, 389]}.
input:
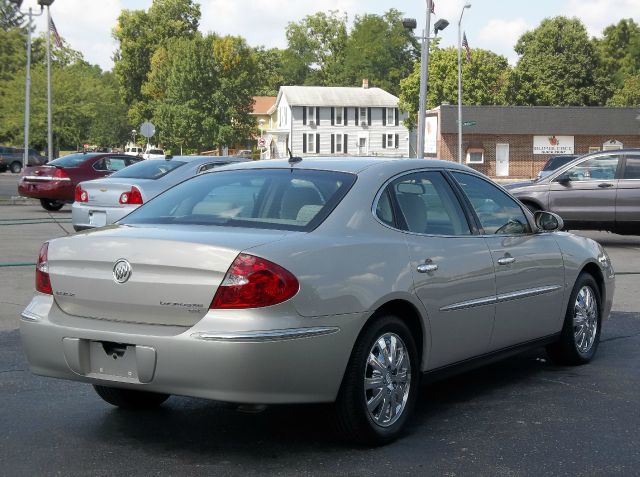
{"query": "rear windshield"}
{"type": "Point", "coordinates": [148, 169]}
{"type": "Point", "coordinates": [155, 151]}
{"type": "Point", "coordinates": [72, 160]}
{"type": "Point", "coordinates": [555, 162]}
{"type": "Point", "coordinates": [281, 199]}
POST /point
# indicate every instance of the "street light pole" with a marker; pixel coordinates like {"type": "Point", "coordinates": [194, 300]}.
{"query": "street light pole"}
{"type": "Point", "coordinates": [49, 128]}
{"type": "Point", "coordinates": [424, 76]}
{"type": "Point", "coordinates": [468, 5]}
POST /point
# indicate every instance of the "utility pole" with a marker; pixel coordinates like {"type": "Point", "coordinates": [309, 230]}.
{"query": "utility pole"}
{"type": "Point", "coordinates": [468, 5]}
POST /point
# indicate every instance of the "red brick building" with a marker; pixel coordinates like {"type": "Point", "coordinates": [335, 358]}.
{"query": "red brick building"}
{"type": "Point", "coordinates": [516, 141]}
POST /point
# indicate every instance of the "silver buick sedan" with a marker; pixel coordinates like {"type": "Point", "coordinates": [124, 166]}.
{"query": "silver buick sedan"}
{"type": "Point", "coordinates": [314, 280]}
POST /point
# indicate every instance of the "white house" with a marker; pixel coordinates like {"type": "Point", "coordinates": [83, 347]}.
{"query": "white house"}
{"type": "Point", "coordinates": [323, 120]}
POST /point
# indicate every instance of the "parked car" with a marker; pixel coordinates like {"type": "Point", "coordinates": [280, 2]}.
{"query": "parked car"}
{"type": "Point", "coordinates": [54, 183]}
{"type": "Point", "coordinates": [153, 154]}
{"type": "Point", "coordinates": [245, 153]}
{"type": "Point", "coordinates": [12, 158]}
{"type": "Point", "coordinates": [314, 280]}
{"type": "Point", "coordinates": [104, 201]}
{"type": "Point", "coordinates": [597, 191]}
{"type": "Point", "coordinates": [133, 151]}
{"type": "Point", "coordinates": [554, 162]}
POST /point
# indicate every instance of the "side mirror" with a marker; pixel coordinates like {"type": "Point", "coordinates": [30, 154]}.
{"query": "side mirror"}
{"type": "Point", "coordinates": [563, 179]}
{"type": "Point", "coordinates": [548, 221]}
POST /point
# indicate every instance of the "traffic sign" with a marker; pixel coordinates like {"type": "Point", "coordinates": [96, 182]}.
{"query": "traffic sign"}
{"type": "Point", "coordinates": [469, 123]}
{"type": "Point", "coordinates": [262, 141]}
{"type": "Point", "coordinates": [147, 129]}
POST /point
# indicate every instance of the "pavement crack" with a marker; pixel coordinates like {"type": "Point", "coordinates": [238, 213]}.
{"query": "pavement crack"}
{"type": "Point", "coordinates": [582, 388]}
{"type": "Point", "coordinates": [9, 303]}
{"type": "Point", "coordinates": [614, 338]}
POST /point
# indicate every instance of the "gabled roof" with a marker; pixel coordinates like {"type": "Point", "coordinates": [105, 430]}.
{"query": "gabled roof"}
{"type": "Point", "coordinates": [337, 96]}
{"type": "Point", "coordinates": [262, 104]}
{"type": "Point", "coordinates": [569, 120]}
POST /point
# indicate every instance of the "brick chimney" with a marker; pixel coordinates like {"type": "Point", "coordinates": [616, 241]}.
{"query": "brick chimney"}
{"type": "Point", "coordinates": [365, 83]}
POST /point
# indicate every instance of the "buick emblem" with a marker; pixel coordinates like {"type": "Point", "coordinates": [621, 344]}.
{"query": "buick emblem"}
{"type": "Point", "coordinates": [122, 271]}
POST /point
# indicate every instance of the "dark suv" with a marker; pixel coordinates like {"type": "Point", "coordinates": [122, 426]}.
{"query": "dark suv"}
{"type": "Point", "coordinates": [11, 158]}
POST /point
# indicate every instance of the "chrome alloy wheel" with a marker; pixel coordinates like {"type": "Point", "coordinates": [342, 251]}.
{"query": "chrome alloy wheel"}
{"type": "Point", "coordinates": [387, 379]}
{"type": "Point", "coordinates": [585, 319]}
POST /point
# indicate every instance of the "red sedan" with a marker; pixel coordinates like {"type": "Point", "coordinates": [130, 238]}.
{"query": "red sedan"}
{"type": "Point", "coordinates": [54, 183]}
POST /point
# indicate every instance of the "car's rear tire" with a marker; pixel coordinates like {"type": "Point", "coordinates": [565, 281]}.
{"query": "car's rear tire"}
{"type": "Point", "coordinates": [580, 334]}
{"type": "Point", "coordinates": [377, 397]}
{"type": "Point", "coordinates": [15, 167]}
{"type": "Point", "coordinates": [51, 205]}
{"type": "Point", "coordinates": [130, 398]}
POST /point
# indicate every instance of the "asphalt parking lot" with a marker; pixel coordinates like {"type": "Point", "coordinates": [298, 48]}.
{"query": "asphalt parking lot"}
{"type": "Point", "coordinates": [522, 416]}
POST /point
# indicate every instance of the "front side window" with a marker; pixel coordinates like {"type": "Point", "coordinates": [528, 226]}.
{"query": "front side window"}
{"type": "Point", "coordinates": [498, 213]}
{"type": "Point", "coordinates": [280, 199]}
{"type": "Point", "coordinates": [594, 169]}
{"type": "Point", "coordinates": [426, 203]}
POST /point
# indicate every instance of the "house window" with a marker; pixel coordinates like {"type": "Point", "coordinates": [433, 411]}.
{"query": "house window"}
{"type": "Point", "coordinates": [338, 114]}
{"type": "Point", "coordinates": [475, 155]}
{"type": "Point", "coordinates": [338, 143]}
{"type": "Point", "coordinates": [391, 116]}
{"type": "Point", "coordinates": [363, 115]}
{"type": "Point", "coordinates": [390, 140]}
{"type": "Point", "coordinates": [594, 149]}
{"type": "Point", "coordinates": [311, 114]}
{"type": "Point", "coordinates": [311, 143]}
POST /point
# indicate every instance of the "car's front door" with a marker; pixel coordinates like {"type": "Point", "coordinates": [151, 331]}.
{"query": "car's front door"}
{"type": "Point", "coordinates": [451, 265]}
{"type": "Point", "coordinates": [529, 266]}
{"type": "Point", "coordinates": [628, 196]}
{"type": "Point", "coordinates": [586, 193]}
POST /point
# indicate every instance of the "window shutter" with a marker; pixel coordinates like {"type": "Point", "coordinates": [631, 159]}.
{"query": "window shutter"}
{"type": "Point", "coordinates": [369, 116]}
{"type": "Point", "coordinates": [396, 114]}
{"type": "Point", "coordinates": [345, 111]}
{"type": "Point", "coordinates": [384, 141]}
{"type": "Point", "coordinates": [333, 144]}
{"type": "Point", "coordinates": [317, 143]}
{"type": "Point", "coordinates": [384, 116]}
{"type": "Point", "coordinates": [304, 143]}
{"type": "Point", "coordinates": [344, 143]}
{"type": "Point", "coordinates": [333, 116]}
{"type": "Point", "coordinates": [317, 116]}
{"type": "Point", "coordinates": [357, 115]}
{"type": "Point", "coordinates": [397, 140]}
{"type": "Point", "coordinates": [304, 115]}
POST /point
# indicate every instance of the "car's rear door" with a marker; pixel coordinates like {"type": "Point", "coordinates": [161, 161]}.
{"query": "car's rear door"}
{"type": "Point", "coordinates": [451, 264]}
{"type": "Point", "coordinates": [529, 267]}
{"type": "Point", "coordinates": [628, 194]}
{"type": "Point", "coordinates": [586, 192]}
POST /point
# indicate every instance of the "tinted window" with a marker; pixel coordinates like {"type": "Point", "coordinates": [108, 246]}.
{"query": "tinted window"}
{"type": "Point", "coordinates": [148, 169]}
{"type": "Point", "coordinates": [258, 198]}
{"type": "Point", "coordinates": [384, 210]}
{"type": "Point", "coordinates": [211, 165]}
{"type": "Point", "coordinates": [155, 151]}
{"type": "Point", "coordinates": [595, 168]}
{"type": "Point", "coordinates": [557, 161]}
{"type": "Point", "coordinates": [632, 169]}
{"type": "Point", "coordinates": [498, 213]}
{"type": "Point", "coordinates": [111, 164]}
{"type": "Point", "coordinates": [72, 160]}
{"type": "Point", "coordinates": [428, 205]}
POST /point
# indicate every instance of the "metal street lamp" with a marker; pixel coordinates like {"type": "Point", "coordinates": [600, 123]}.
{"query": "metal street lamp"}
{"type": "Point", "coordinates": [440, 25]}
{"type": "Point", "coordinates": [468, 5]}
{"type": "Point", "coordinates": [27, 86]}
{"type": "Point", "coordinates": [48, 3]}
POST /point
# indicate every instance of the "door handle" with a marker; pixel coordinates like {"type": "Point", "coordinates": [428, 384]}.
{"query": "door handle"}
{"type": "Point", "coordinates": [604, 185]}
{"type": "Point", "coordinates": [427, 267]}
{"type": "Point", "coordinates": [506, 260]}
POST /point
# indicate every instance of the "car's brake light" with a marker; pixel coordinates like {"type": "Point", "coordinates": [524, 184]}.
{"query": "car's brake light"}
{"type": "Point", "coordinates": [43, 284]}
{"type": "Point", "coordinates": [253, 282]}
{"type": "Point", "coordinates": [60, 174]}
{"type": "Point", "coordinates": [81, 194]}
{"type": "Point", "coordinates": [134, 196]}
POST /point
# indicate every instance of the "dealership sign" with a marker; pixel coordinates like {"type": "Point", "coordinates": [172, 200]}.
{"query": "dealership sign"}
{"type": "Point", "coordinates": [553, 144]}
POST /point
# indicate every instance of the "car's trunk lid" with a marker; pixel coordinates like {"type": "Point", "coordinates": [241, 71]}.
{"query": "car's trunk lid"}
{"type": "Point", "coordinates": [107, 192]}
{"type": "Point", "coordinates": [175, 272]}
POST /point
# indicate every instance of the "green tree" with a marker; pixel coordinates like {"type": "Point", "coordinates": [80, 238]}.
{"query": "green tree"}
{"type": "Point", "coordinates": [619, 50]}
{"type": "Point", "coordinates": [628, 94]}
{"type": "Point", "coordinates": [269, 71]}
{"type": "Point", "coordinates": [379, 49]}
{"type": "Point", "coordinates": [558, 66]}
{"type": "Point", "coordinates": [315, 47]}
{"type": "Point", "coordinates": [10, 16]}
{"type": "Point", "coordinates": [484, 81]}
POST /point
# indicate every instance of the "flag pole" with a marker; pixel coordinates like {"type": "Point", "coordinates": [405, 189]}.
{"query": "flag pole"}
{"type": "Point", "coordinates": [49, 129]}
{"type": "Point", "coordinates": [468, 5]}
{"type": "Point", "coordinates": [424, 77]}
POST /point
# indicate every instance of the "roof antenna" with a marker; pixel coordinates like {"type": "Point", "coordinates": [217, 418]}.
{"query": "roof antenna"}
{"type": "Point", "coordinates": [293, 159]}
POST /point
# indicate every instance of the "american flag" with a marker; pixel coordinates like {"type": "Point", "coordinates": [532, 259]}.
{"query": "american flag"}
{"type": "Point", "coordinates": [52, 30]}
{"type": "Point", "coordinates": [465, 44]}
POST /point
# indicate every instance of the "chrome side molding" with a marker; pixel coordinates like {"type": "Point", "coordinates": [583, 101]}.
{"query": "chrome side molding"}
{"type": "Point", "coordinates": [267, 335]}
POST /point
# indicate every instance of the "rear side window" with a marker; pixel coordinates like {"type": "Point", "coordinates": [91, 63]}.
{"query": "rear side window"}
{"type": "Point", "coordinates": [148, 169]}
{"type": "Point", "coordinates": [556, 162]}
{"type": "Point", "coordinates": [632, 168]}
{"type": "Point", "coordinates": [282, 199]}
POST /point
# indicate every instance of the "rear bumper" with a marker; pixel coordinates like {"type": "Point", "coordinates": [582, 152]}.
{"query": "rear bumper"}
{"type": "Point", "coordinates": [53, 190]}
{"type": "Point", "coordinates": [87, 216]}
{"type": "Point", "coordinates": [268, 366]}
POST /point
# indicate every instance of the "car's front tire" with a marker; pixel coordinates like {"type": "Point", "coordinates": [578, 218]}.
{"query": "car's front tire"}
{"type": "Point", "coordinates": [130, 398]}
{"type": "Point", "coordinates": [15, 167]}
{"type": "Point", "coordinates": [580, 334]}
{"type": "Point", "coordinates": [51, 205]}
{"type": "Point", "coordinates": [380, 384]}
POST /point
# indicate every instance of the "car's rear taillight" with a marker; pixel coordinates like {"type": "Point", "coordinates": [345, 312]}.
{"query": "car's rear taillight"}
{"type": "Point", "coordinates": [253, 282]}
{"type": "Point", "coordinates": [60, 174]}
{"type": "Point", "coordinates": [43, 284]}
{"type": "Point", "coordinates": [81, 194]}
{"type": "Point", "coordinates": [134, 196]}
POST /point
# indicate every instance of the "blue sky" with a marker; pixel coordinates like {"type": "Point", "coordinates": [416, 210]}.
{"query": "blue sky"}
{"type": "Point", "coordinates": [490, 24]}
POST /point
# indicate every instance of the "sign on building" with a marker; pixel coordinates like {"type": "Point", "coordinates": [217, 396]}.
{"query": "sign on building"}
{"type": "Point", "coordinates": [553, 144]}
{"type": "Point", "coordinates": [431, 135]}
